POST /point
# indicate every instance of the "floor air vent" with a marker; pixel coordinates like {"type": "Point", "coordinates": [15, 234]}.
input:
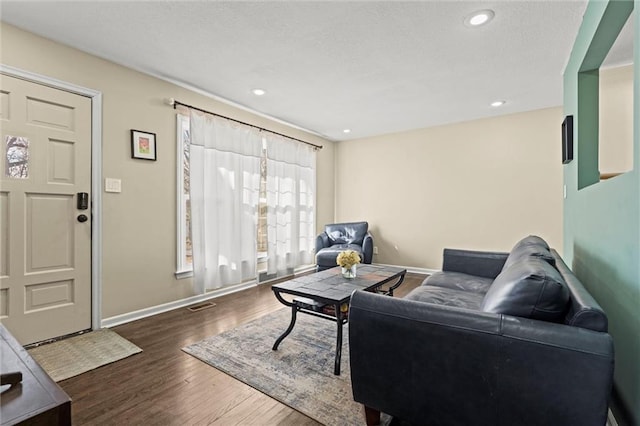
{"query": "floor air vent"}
{"type": "Point", "coordinates": [206, 305]}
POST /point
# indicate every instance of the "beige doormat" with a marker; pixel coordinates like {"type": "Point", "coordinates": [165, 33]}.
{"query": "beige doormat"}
{"type": "Point", "coordinates": [76, 355]}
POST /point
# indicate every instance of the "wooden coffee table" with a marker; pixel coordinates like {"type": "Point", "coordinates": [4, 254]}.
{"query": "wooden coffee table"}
{"type": "Point", "coordinates": [326, 295]}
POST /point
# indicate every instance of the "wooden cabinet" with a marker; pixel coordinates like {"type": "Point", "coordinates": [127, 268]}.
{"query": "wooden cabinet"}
{"type": "Point", "coordinates": [37, 400]}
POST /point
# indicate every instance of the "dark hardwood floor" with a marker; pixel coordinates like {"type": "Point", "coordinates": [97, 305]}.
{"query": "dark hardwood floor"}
{"type": "Point", "coordinates": [165, 386]}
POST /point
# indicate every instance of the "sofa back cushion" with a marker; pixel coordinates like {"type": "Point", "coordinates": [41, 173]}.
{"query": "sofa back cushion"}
{"type": "Point", "coordinates": [531, 239]}
{"type": "Point", "coordinates": [529, 250]}
{"type": "Point", "coordinates": [529, 288]}
{"type": "Point", "coordinates": [347, 233]}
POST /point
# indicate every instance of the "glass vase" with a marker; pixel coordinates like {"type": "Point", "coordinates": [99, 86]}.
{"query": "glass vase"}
{"type": "Point", "coordinates": [349, 272]}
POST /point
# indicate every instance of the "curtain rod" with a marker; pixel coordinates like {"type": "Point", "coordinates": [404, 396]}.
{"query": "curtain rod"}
{"type": "Point", "coordinates": [175, 103]}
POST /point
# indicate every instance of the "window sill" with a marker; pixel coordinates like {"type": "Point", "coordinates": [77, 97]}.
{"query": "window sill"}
{"type": "Point", "coordinates": [180, 275]}
{"type": "Point", "coordinates": [605, 176]}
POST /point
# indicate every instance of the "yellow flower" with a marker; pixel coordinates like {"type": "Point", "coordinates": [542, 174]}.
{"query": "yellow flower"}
{"type": "Point", "coordinates": [348, 258]}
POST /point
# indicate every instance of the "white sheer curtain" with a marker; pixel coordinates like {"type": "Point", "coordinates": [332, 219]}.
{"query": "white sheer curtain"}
{"type": "Point", "coordinates": [225, 184]}
{"type": "Point", "coordinates": [291, 185]}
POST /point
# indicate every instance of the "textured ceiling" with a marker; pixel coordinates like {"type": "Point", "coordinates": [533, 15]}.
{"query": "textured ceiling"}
{"type": "Point", "coordinates": [373, 67]}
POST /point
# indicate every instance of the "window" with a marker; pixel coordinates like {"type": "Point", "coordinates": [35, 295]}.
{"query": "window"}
{"type": "Point", "coordinates": [184, 263]}
{"type": "Point", "coordinates": [262, 216]}
{"type": "Point", "coordinates": [262, 206]}
{"type": "Point", "coordinates": [184, 248]}
{"type": "Point", "coordinates": [17, 158]}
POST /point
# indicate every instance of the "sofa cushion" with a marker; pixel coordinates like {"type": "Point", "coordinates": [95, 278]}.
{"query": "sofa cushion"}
{"type": "Point", "coordinates": [347, 233]}
{"type": "Point", "coordinates": [459, 281]}
{"type": "Point", "coordinates": [328, 255]}
{"type": "Point", "coordinates": [531, 239]}
{"type": "Point", "coordinates": [530, 250]}
{"type": "Point", "coordinates": [446, 296]}
{"type": "Point", "coordinates": [529, 288]}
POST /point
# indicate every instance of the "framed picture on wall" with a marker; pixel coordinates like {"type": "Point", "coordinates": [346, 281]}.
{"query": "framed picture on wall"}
{"type": "Point", "coordinates": [567, 139]}
{"type": "Point", "coordinates": [143, 145]}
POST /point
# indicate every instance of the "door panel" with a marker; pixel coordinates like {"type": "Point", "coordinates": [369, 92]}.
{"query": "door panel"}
{"type": "Point", "coordinates": [48, 247]}
{"type": "Point", "coordinates": [45, 113]}
{"type": "Point", "coordinates": [45, 282]}
{"type": "Point", "coordinates": [4, 231]}
{"type": "Point", "coordinates": [4, 105]}
{"type": "Point", "coordinates": [62, 161]}
{"type": "Point", "coordinates": [48, 295]}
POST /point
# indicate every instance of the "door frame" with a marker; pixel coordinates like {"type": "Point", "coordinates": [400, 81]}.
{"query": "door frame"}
{"type": "Point", "coordinates": [96, 175]}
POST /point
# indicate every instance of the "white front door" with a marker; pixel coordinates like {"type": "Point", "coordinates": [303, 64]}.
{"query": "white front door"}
{"type": "Point", "coordinates": [45, 251]}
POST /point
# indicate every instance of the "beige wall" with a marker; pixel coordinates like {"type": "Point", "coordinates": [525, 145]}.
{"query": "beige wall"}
{"type": "Point", "coordinates": [139, 224]}
{"type": "Point", "coordinates": [615, 139]}
{"type": "Point", "coordinates": [480, 185]}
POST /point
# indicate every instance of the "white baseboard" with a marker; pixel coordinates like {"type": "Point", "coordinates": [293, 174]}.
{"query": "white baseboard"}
{"type": "Point", "coordinates": [303, 269]}
{"type": "Point", "coordinates": [412, 269]}
{"type": "Point", "coordinates": [154, 310]}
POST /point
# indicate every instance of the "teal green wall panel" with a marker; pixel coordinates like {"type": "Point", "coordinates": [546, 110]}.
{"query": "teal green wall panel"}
{"type": "Point", "coordinates": [610, 22]}
{"type": "Point", "coordinates": [602, 220]}
{"type": "Point", "coordinates": [588, 128]}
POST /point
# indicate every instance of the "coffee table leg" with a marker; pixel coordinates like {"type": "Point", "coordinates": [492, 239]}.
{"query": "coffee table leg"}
{"type": "Point", "coordinates": [294, 311]}
{"type": "Point", "coordinates": [396, 285]}
{"type": "Point", "coordinates": [336, 369]}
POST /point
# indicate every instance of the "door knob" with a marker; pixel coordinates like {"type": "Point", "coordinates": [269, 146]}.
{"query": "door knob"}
{"type": "Point", "coordinates": [82, 218]}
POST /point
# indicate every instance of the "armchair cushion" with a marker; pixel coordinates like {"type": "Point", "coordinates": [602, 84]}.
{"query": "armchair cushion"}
{"type": "Point", "coordinates": [529, 288]}
{"type": "Point", "coordinates": [327, 256]}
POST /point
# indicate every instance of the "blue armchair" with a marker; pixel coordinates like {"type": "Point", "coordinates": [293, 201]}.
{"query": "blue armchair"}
{"type": "Point", "coordinates": [338, 237]}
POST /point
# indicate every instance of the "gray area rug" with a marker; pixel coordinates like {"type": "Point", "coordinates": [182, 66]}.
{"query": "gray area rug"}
{"type": "Point", "coordinates": [76, 355]}
{"type": "Point", "coordinates": [299, 374]}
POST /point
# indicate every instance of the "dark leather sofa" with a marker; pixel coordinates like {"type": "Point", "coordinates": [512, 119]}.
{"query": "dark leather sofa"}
{"type": "Point", "coordinates": [338, 237]}
{"type": "Point", "coordinates": [493, 339]}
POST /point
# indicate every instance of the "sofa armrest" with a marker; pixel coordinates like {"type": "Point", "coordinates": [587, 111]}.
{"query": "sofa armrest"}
{"type": "Point", "coordinates": [486, 264]}
{"type": "Point", "coordinates": [367, 248]}
{"type": "Point", "coordinates": [322, 241]}
{"type": "Point", "coordinates": [433, 364]}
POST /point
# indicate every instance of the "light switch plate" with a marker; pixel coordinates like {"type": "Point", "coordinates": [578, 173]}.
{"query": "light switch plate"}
{"type": "Point", "coordinates": [112, 185]}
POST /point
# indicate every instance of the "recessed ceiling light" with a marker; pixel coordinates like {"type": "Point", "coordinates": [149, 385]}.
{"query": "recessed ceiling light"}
{"type": "Point", "coordinates": [498, 103]}
{"type": "Point", "coordinates": [258, 92]}
{"type": "Point", "coordinates": [346, 131]}
{"type": "Point", "coordinates": [478, 18]}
